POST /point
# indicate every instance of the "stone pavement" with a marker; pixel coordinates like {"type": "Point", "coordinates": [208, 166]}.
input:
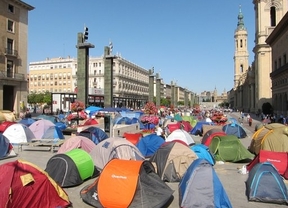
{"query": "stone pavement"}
{"type": "Point", "coordinates": [233, 182]}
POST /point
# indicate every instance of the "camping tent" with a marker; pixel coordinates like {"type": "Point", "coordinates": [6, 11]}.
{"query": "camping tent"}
{"type": "Point", "coordinates": [201, 186]}
{"type": "Point", "coordinates": [180, 135]}
{"type": "Point", "coordinates": [137, 120]}
{"type": "Point", "coordinates": [203, 151]}
{"type": "Point", "coordinates": [190, 119]}
{"type": "Point", "coordinates": [39, 127]}
{"type": "Point", "coordinates": [149, 144]}
{"type": "Point", "coordinates": [198, 128]}
{"type": "Point", "coordinates": [53, 133]}
{"type": "Point", "coordinates": [271, 137]}
{"type": "Point", "coordinates": [127, 183]}
{"type": "Point", "coordinates": [6, 148]}
{"type": "Point", "coordinates": [94, 133]}
{"type": "Point", "coordinates": [132, 137]}
{"type": "Point", "coordinates": [30, 187]}
{"type": "Point", "coordinates": [171, 161]}
{"type": "Point", "coordinates": [229, 148]}
{"type": "Point", "coordinates": [234, 129]}
{"type": "Point", "coordinates": [72, 168]}
{"type": "Point", "coordinates": [76, 142]}
{"type": "Point", "coordinates": [208, 136]}
{"type": "Point", "coordinates": [27, 121]}
{"type": "Point", "coordinates": [4, 125]}
{"type": "Point", "coordinates": [264, 184]}
{"type": "Point", "coordinates": [278, 159]}
{"type": "Point", "coordinates": [114, 147]}
{"type": "Point", "coordinates": [18, 133]}
{"type": "Point", "coordinates": [122, 120]}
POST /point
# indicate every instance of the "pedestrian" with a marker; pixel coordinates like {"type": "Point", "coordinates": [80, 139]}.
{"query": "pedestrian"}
{"type": "Point", "coordinates": [248, 117]}
{"type": "Point", "coordinates": [250, 121]}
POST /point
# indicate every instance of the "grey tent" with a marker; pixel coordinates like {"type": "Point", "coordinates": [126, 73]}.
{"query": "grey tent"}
{"type": "Point", "coordinates": [114, 147]}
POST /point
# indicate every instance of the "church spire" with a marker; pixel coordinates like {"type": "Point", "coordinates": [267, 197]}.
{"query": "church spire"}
{"type": "Point", "coordinates": [240, 24]}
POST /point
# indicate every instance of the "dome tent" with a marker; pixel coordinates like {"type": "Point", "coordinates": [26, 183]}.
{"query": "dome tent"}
{"type": "Point", "coordinates": [72, 168]}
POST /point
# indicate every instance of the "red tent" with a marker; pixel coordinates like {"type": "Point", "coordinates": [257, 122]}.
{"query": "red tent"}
{"type": "Point", "coordinates": [4, 125]}
{"type": "Point", "coordinates": [25, 185]}
{"type": "Point", "coordinates": [133, 137]}
{"type": "Point", "coordinates": [278, 159]}
{"type": "Point", "coordinates": [90, 121]}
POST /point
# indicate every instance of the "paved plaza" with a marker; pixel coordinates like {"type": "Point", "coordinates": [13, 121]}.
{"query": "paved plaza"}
{"type": "Point", "coordinates": [233, 182]}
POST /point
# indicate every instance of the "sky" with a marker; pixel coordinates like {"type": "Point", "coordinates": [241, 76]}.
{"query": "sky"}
{"type": "Point", "coordinates": [190, 42]}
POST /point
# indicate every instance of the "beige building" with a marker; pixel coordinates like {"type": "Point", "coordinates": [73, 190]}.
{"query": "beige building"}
{"type": "Point", "coordinates": [13, 50]}
{"type": "Point", "coordinates": [279, 76]}
{"type": "Point", "coordinates": [252, 84]}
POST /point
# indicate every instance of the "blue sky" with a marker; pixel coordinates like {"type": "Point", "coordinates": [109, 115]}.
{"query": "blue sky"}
{"type": "Point", "coordinates": [190, 42]}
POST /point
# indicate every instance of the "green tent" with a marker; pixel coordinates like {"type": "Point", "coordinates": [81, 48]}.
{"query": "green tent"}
{"type": "Point", "coordinates": [190, 119]}
{"type": "Point", "coordinates": [83, 162]}
{"type": "Point", "coordinates": [229, 148]}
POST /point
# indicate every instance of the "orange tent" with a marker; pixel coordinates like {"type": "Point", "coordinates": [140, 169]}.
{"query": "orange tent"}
{"type": "Point", "coordinates": [133, 137]}
{"type": "Point", "coordinates": [128, 183]}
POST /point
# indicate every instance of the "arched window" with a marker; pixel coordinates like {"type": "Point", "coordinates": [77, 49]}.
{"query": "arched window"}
{"type": "Point", "coordinates": [273, 16]}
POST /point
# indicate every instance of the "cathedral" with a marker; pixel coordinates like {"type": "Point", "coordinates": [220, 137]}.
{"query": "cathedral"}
{"type": "Point", "coordinates": [252, 83]}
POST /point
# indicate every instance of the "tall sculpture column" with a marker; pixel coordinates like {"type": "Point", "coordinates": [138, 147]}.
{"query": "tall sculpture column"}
{"type": "Point", "coordinates": [158, 91]}
{"type": "Point", "coordinates": [176, 95]}
{"type": "Point", "coordinates": [172, 93]}
{"type": "Point", "coordinates": [151, 85]}
{"type": "Point", "coordinates": [83, 68]}
{"type": "Point", "coordinates": [108, 77]}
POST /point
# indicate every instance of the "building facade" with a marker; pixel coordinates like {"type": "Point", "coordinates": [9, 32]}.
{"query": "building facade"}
{"type": "Point", "coordinates": [130, 81]}
{"type": "Point", "coordinates": [279, 75]}
{"type": "Point", "coordinates": [13, 54]}
{"type": "Point", "coordinates": [252, 84]}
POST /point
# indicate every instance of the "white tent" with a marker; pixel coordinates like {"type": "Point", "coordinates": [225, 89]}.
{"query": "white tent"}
{"type": "Point", "coordinates": [18, 133]}
{"type": "Point", "coordinates": [180, 135]}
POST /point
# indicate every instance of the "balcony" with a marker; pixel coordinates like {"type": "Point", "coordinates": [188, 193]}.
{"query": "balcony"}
{"type": "Point", "coordinates": [11, 75]}
{"type": "Point", "coordinates": [11, 52]}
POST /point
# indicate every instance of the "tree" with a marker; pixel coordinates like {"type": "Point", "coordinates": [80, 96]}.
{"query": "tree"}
{"type": "Point", "coordinates": [47, 98]}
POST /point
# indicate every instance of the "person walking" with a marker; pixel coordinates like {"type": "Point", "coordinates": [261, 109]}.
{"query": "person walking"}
{"type": "Point", "coordinates": [250, 121]}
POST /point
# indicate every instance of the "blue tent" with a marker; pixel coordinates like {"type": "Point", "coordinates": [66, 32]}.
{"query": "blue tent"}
{"type": "Point", "coordinates": [137, 120]}
{"type": "Point", "coordinates": [92, 109]}
{"type": "Point", "coordinates": [149, 144]}
{"type": "Point", "coordinates": [201, 181]}
{"type": "Point", "coordinates": [94, 133]}
{"type": "Point", "coordinates": [4, 146]}
{"type": "Point", "coordinates": [234, 129]}
{"type": "Point", "coordinates": [27, 121]}
{"type": "Point", "coordinates": [198, 128]}
{"type": "Point", "coordinates": [264, 184]}
{"type": "Point", "coordinates": [202, 151]}
{"type": "Point", "coordinates": [53, 132]}
{"type": "Point", "coordinates": [122, 120]}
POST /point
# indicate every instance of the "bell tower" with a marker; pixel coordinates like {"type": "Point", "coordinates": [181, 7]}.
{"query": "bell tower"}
{"type": "Point", "coordinates": [268, 13]}
{"type": "Point", "coordinates": [241, 55]}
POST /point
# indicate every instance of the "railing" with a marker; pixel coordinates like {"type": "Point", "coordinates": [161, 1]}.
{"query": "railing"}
{"type": "Point", "coordinates": [11, 75]}
{"type": "Point", "coordinates": [9, 51]}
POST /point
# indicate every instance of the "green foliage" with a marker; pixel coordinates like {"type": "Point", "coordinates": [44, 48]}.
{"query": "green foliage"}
{"type": "Point", "coordinates": [224, 104]}
{"type": "Point", "coordinates": [40, 98]}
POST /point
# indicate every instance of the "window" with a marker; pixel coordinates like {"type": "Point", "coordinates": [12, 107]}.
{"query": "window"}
{"type": "Point", "coordinates": [10, 65]}
{"type": "Point", "coordinates": [275, 65]}
{"type": "Point", "coordinates": [99, 64]}
{"type": "Point", "coordinates": [95, 72]}
{"type": "Point", "coordinates": [284, 59]}
{"type": "Point", "coordinates": [10, 26]}
{"type": "Point", "coordinates": [10, 8]}
{"type": "Point", "coordinates": [279, 62]}
{"type": "Point", "coordinates": [273, 16]}
{"type": "Point", "coordinates": [241, 68]}
{"type": "Point", "coordinates": [9, 45]}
